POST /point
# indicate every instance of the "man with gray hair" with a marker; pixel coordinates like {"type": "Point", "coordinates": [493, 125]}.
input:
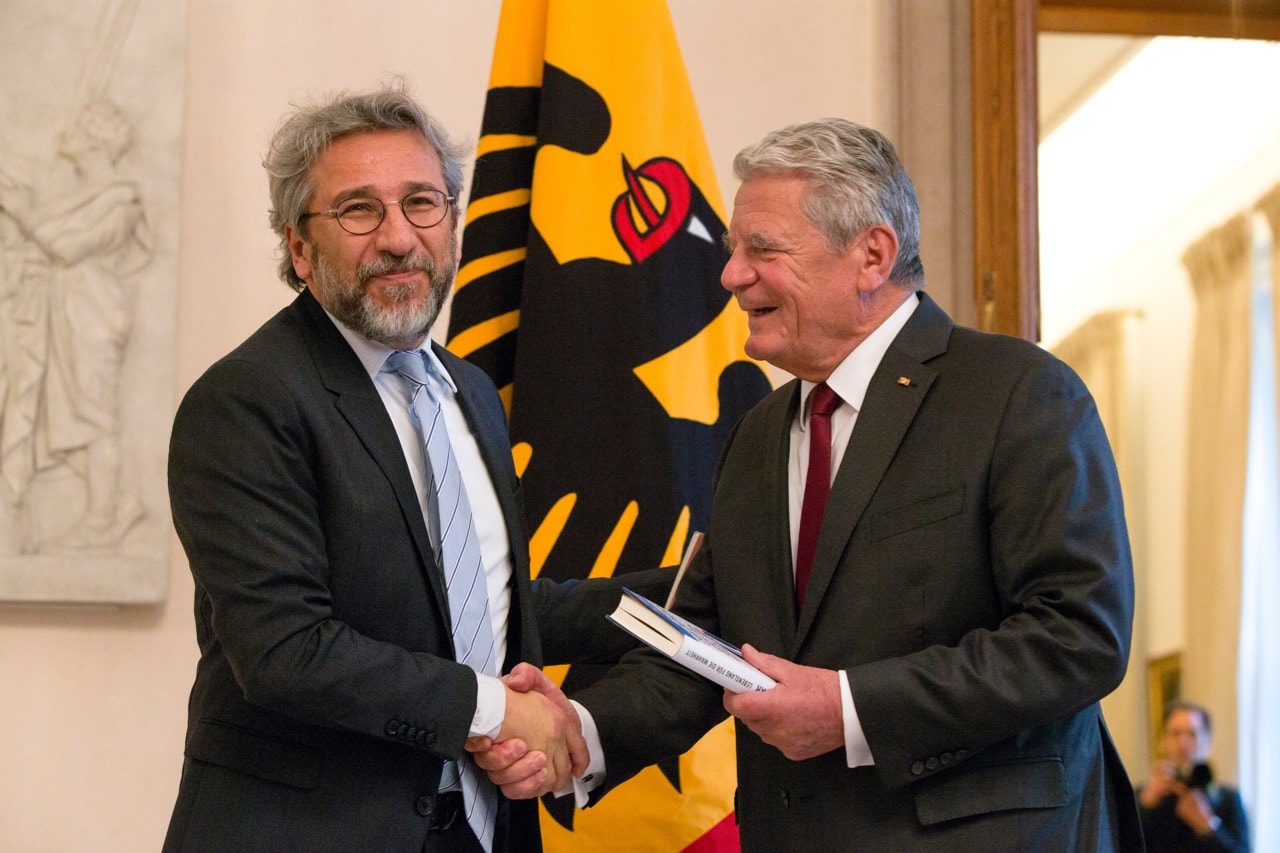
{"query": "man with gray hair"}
{"type": "Point", "coordinates": [921, 539]}
{"type": "Point", "coordinates": [346, 496]}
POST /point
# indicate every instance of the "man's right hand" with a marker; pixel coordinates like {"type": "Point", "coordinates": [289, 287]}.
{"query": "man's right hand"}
{"type": "Point", "coordinates": [1161, 782]}
{"type": "Point", "coordinates": [539, 747]}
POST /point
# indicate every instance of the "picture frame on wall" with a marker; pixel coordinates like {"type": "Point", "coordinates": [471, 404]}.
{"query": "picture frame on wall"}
{"type": "Point", "coordinates": [1164, 685]}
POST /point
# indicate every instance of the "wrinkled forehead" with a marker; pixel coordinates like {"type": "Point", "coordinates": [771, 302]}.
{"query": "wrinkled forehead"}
{"type": "Point", "coordinates": [376, 162]}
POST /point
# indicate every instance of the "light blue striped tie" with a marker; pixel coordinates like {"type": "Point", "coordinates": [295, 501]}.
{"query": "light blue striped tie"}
{"type": "Point", "coordinates": [459, 556]}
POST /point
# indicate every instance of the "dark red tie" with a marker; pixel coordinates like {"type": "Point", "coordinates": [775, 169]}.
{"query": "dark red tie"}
{"type": "Point", "coordinates": [823, 401]}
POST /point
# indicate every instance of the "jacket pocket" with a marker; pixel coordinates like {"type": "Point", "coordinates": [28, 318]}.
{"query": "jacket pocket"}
{"type": "Point", "coordinates": [1038, 784]}
{"type": "Point", "coordinates": [917, 514]}
{"type": "Point", "coordinates": [269, 758]}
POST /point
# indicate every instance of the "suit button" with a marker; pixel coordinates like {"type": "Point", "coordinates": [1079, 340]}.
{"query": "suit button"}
{"type": "Point", "coordinates": [424, 806]}
{"type": "Point", "coordinates": [431, 739]}
{"type": "Point", "coordinates": [962, 754]}
{"type": "Point", "coordinates": [412, 734]}
{"type": "Point", "coordinates": [931, 764]}
{"type": "Point", "coordinates": [786, 798]}
{"type": "Point", "coordinates": [917, 767]}
{"type": "Point", "coordinates": [402, 730]}
{"type": "Point", "coordinates": [947, 758]}
{"type": "Point", "coordinates": [393, 726]}
{"type": "Point", "coordinates": [421, 739]}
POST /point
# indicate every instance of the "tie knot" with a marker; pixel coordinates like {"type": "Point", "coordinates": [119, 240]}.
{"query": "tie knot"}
{"type": "Point", "coordinates": [410, 365]}
{"type": "Point", "coordinates": [823, 401]}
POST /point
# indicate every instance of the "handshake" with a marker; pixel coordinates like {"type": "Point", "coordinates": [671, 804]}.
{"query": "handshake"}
{"type": "Point", "coordinates": [539, 748]}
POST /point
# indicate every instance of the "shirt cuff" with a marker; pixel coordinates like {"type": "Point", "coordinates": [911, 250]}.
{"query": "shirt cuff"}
{"type": "Point", "coordinates": [491, 706]}
{"type": "Point", "coordinates": [594, 776]}
{"type": "Point", "coordinates": [857, 752]}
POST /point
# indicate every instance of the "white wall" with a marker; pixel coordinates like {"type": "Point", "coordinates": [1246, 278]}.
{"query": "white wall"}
{"type": "Point", "coordinates": [1150, 280]}
{"type": "Point", "coordinates": [1127, 183]}
{"type": "Point", "coordinates": [92, 702]}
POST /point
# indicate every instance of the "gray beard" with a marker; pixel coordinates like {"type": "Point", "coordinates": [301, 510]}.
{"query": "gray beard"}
{"type": "Point", "coordinates": [400, 326]}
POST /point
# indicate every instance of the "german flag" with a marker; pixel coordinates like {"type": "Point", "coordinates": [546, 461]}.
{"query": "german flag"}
{"type": "Point", "coordinates": [590, 291]}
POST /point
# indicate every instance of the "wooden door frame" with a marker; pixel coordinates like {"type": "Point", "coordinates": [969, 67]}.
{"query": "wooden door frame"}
{"type": "Point", "coordinates": [1003, 34]}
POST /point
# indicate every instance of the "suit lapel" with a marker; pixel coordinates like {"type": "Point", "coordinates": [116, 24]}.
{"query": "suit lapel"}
{"type": "Point", "coordinates": [896, 392]}
{"type": "Point", "coordinates": [775, 485]}
{"type": "Point", "coordinates": [488, 424]}
{"type": "Point", "coordinates": [357, 401]}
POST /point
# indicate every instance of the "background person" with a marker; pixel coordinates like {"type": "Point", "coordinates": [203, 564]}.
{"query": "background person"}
{"type": "Point", "coordinates": [1183, 807]}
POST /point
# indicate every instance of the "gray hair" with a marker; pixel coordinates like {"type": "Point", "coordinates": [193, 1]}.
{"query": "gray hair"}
{"type": "Point", "coordinates": [306, 133]}
{"type": "Point", "coordinates": [855, 180]}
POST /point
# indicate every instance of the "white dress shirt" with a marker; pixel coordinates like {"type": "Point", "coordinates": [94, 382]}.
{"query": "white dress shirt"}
{"type": "Point", "coordinates": [491, 528]}
{"type": "Point", "coordinates": [849, 380]}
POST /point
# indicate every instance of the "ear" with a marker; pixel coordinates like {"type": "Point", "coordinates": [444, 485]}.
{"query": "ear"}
{"type": "Point", "coordinates": [880, 253]}
{"type": "Point", "coordinates": [299, 251]}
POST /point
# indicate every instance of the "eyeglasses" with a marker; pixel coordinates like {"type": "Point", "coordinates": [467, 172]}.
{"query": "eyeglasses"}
{"type": "Point", "coordinates": [363, 215]}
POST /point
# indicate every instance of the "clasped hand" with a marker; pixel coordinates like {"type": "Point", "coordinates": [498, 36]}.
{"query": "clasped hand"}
{"type": "Point", "coordinates": [801, 717]}
{"type": "Point", "coordinates": [539, 747]}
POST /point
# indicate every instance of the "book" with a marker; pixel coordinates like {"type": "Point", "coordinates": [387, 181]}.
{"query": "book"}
{"type": "Point", "coordinates": [687, 644]}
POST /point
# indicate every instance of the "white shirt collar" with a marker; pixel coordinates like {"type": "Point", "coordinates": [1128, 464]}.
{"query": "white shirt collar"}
{"type": "Point", "coordinates": [373, 354]}
{"type": "Point", "coordinates": [852, 376]}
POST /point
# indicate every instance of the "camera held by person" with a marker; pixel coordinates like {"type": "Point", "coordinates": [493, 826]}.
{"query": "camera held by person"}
{"type": "Point", "coordinates": [1197, 775]}
{"type": "Point", "coordinates": [1183, 807]}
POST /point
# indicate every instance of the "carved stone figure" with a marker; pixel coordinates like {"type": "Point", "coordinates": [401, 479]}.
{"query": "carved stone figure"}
{"type": "Point", "coordinates": [66, 281]}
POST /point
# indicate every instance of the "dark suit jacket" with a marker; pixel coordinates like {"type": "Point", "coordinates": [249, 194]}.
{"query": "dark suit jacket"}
{"type": "Point", "coordinates": [972, 577]}
{"type": "Point", "coordinates": [1165, 832]}
{"type": "Point", "coordinates": [326, 696]}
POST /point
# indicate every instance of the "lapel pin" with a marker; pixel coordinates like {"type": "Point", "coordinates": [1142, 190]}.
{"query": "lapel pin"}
{"type": "Point", "coordinates": [904, 382]}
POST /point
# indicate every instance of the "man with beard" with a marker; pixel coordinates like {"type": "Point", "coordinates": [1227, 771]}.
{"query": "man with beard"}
{"type": "Point", "coordinates": [346, 497]}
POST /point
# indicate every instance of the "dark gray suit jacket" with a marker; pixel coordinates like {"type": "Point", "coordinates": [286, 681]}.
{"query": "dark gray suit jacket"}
{"type": "Point", "coordinates": [326, 696]}
{"type": "Point", "coordinates": [972, 577]}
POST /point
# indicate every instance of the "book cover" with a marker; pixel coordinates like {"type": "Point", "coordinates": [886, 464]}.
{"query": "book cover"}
{"type": "Point", "coordinates": [687, 644]}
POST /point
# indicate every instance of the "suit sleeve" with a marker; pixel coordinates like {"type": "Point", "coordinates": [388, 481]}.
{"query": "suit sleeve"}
{"type": "Point", "coordinates": [1233, 833]}
{"type": "Point", "coordinates": [573, 615]}
{"type": "Point", "coordinates": [293, 538]}
{"type": "Point", "coordinates": [1060, 573]}
{"type": "Point", "coordinates": [648, 707]}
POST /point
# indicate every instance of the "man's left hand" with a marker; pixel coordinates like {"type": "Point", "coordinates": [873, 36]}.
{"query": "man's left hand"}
{"type": "Point", "coordinates": [523, 760]}
{"type": "Point", "coordinates": [1194, 810]}
{"type": "Point", "coordinates": [801, 716]}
